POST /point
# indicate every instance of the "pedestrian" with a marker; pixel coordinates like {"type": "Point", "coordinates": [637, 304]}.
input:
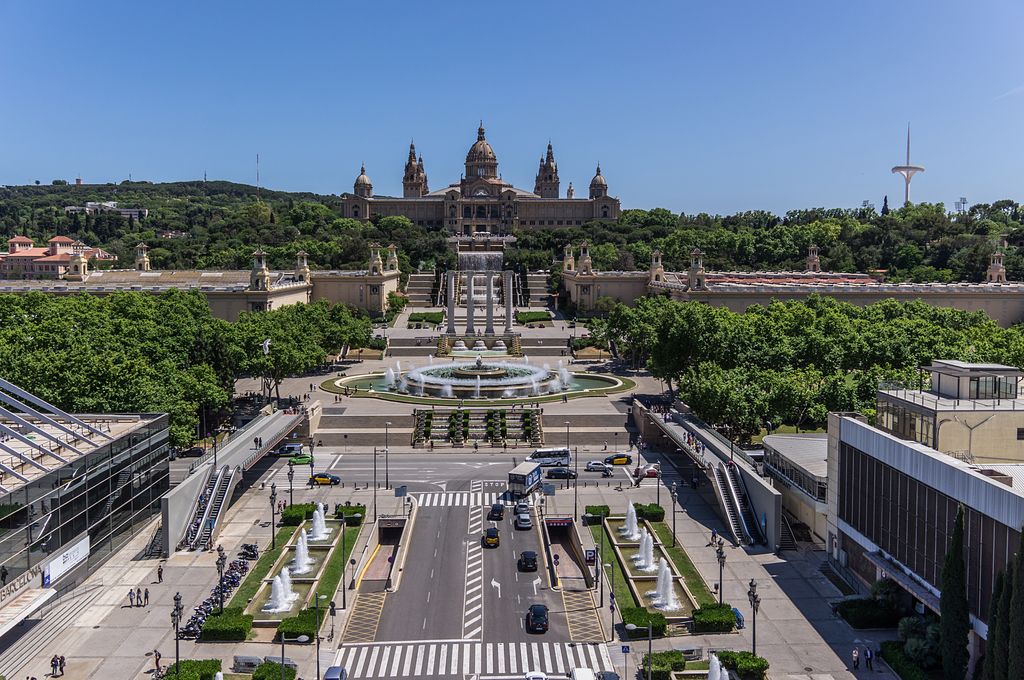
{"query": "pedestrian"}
{"type": "Point", "coordinates": [160, 573]}
{"type": "Point", "coordinates": [714, 536]}
{"type": "Point", "coordinates": [868, 656]}
{"type": "Point", "coordinates": [3, 576]}
{"type": "Point", "coordinates": [605, 445]}
{"type": "Point", "coordinates": [54, 664]}
{"type": "Point", "coordinates": [131, 597]}
{"type": "Point", "coordinates": [145, 597]}
{"type": "Point", "coordinates": [156, 658]}
{"type": "Point", "coordinates": [138, 595]}
{"type": "Point", "coordinates": [856, 658]}
{"type": "Point", "coordinates": [60, 663]}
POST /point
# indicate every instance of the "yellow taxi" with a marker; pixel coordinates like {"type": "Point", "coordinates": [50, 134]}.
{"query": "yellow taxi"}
{"type": "Point", "coordinates": [619, 459]}
{"type": "Point", "coordinates": [325, 479]}
{"type": "Point", "coordinates": [491, 538]}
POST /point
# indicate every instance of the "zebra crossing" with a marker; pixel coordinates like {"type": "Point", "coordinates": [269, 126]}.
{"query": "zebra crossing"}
{"type": "Point", "coordinates": [453, 499]}
{"type": "Point", "coordinates": [473, 605]}
{"type": "Point", "coordinates": [460, 659]}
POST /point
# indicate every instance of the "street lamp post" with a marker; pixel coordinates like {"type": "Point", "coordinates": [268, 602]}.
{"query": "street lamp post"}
{"type": "Point", "coordinates": [273, 515]}
{"type": "Point", "coordinates": [575, 480]}
{"type": "Point", "coordinates": [721, 568]}
{"type": "Point", "coordinates": [755, 604]}
{"type": "Point", "coordinates": [316, 631]}
{"type": "Point", "coordinates": [387, 465]}
{"type": "Point", "coordinates": [375, 484]}
{"type": "Point", "coordinates": [221, 561]}
{"type": "Point", "coordinates": [673, 493]}
{"type": "Point", "coordinates": [291, 476]}
{"type": "Point", "coordinates": [176, 620]}
{"type": "Point", "coordinates": [650, 643]}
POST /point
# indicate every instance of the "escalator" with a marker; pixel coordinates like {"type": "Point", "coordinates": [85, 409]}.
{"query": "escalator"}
{"type": "Point", "coordinates": [727, 504]}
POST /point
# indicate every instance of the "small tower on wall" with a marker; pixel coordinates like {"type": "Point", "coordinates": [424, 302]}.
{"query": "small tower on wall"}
{"type": "Point", "coordinates": [598, 185]}
{"type": "Point", "coordinates": [657, 272]}
{"type": "Point", "coordinates": [363, 187]}
{"type": "Point", "coordinates": [695, 278]}
{"type": "Point", "coordinates": [568, 260]}
{"type": "Point", "coordinates": [813, 261]}
{"type": "Point", "coordinates": [376, 264]}
{"type": "Point", "coordinates": [414, 181]}
{"type": "Point", "coordinates": [571, 193]}
{"type": "Point", "coordinates": [392, 263]}
{"type": "Point", "coordinates": [142, 258]}
{"type": "Point", "coordinates": [78, 268]}
{"type": "Point", "coordinates": [996, 272]}
{"type": "Point", "coordinates": [302, 272]}
{"type": "Point", "coordinates": [586, 266]}
{"type": "Point", "coordinates": [259, 277]}
{"type": "Point", "coordinates": [546, 184]}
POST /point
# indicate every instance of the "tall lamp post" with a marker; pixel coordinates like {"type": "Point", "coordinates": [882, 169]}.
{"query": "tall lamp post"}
{"type": "Point", "coordinates": [387, 464]}
{"type": "Point", "coordinates": [316, 631]}
{"type": "Point", "coordinates": [221, 561]}
{"type": "Point", "coordinates": [291, 476]}
{"type": "Point", "coordinates": [375, 484]}
{"type": "Point", "coordinates": [176, 620]}
{"type": "Point", "coordinates": [273, 515]}
{"type": "Point", "coordinates": [650, 643]}
{"type": "Point", "coordinates": [755, 604]}
{"type": "Point", "coordinates": [575, 480]}
{"type": "Point", "coordinates": [721, 568]}
{"type": "Point", "coordinates": [302, 639]}
{"type": "Point", "coordinates": [673, 493]}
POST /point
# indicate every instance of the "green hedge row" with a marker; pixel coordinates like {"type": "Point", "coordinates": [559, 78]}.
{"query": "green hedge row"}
{"type": "Point", "coordinates": [232, 625]}
{"type": "Point", "coordinates": [714, 618]}
{"type": "Point", "coordinates": [597, 511]}
{"type": "Point", "coordinates": [270, 670]}
{"type": "Point", "coordinates": [640, 617]}
{"type": "Point", "coordinates": [194, 669]}
{"type": "Point", "coordinates": [868, 612]}
{"type": "Point", "coordinates": [294, 515]}
{"type": "Point", "coordinates": [304, 623]}
{"type": "Point", "coordinates": [349, 512]}
{"type": "Point", "coordinates": [532, 317]}
{"type": "Point", "coordinates": [426, 317]}
{"type": "Point", "coordinates": [746, 665]}
{"type": "Point", "coordinates": [663, 664]}
{"type": "Point", "coordinates": [651, 512]}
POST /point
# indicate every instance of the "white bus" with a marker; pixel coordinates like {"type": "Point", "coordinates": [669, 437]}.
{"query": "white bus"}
{"type": "Point", "coordinates": [546, 457]}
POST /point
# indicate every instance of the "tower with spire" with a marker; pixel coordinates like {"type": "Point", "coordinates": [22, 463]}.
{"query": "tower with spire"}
{"type": "Point", "coordinates": [907, 170]}
{"type": "Point", "coordinates": [363, 187]}
{"type": "Point", "coordinates": [414, 182]}
{"type": "Point", "coordinates": [546, 184]}
{"type": "Point", "coordinates": [481, 161]}
{"type": "Point", "coordinates": [598, 186]}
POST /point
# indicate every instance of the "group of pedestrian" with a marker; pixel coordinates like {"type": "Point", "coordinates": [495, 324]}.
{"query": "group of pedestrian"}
{"type": "Point", "coordinates": [139, 597]}
{"type": "Point", "coordinates": [257, 442]}
{"type": "Point", "coordinates": [281, 505]}
{"type": "Point", "coordinates": [56, 664]}
{"type": "Point", "coordinates": [868, 658]}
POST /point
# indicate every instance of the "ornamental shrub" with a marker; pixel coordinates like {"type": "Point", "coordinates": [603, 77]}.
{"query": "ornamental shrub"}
{"type": "Point", "coordinates": [304, 623]}
{"type": "Point", "coordinates": [746, 665]}
{"type": "Point", "coordinates": [597, 511]}
{"type": "Point", "coordinates": [651, 512]}
{"type": "Point", "coordinates": [714, 618]}
{"type": "Point", "coordinates": [294, 515]}
{"type": "Point", "coordinates": [868, 613]}
{"type": "Point", "coordinates": [232, 625]}
{"type": "Point", "coordinates": [194, 669]}
{"type": "Point", "coordinates": [663, 664]}
{"type": "Point", "coordinates": [892, 652]}
{"type": "Point", "coordinates": [349, 512]}
{"type": "Point", "coordinates": [639, 617]}
{"type": "Point", "coordinates": [270, 670]}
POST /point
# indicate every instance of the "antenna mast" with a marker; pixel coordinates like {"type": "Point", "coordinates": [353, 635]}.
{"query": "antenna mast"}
{"type": "Point", "coordinates": [258, 176]}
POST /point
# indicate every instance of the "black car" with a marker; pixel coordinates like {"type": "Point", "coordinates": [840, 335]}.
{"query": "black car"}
{"type": "Point", "coordinates": [497, 512]}
{"type": "Point", "coordinates": [527, 561]}
{"type": "Point", "coordinates": [194, 452]}
{"type": "Point", "coordinates": [607, 675]}
{"type": "Point", "coordinates": [537, 619]}
{"type": "Point", "coordinates": [561, 473]}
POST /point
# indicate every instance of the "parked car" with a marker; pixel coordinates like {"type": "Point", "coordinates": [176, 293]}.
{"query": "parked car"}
{"type": "Point", "coordinates": [619, 459]}
{"type": "Point", "coordinates": [607, 675]}
{"type": "Point", "coordinates": [537, 619]}
{"type": "Point", "coordinates": [194, 452]}
{"type": "Point", "coordinates": [492, 539]}
{"type": "Point", "coordinates": [523, 521]}
{"type": "Point", "coordinates": [497, 512]}
{"type": "Point", "coordinates": [527, 561]}
{"type": "Point", "coordinates": [326, 479]}
{"type": "Point", "coordinates": [561, 473]}
{"type": "Point", "coordinates": [598, 466]}
{"type": "Point", "coordinates": [336, 673]}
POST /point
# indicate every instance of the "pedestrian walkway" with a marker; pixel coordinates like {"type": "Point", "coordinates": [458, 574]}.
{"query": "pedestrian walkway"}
{"type": "Point", "coordinates": [457, 499]}
{"type": "Point", "coordinates": [457, 659]}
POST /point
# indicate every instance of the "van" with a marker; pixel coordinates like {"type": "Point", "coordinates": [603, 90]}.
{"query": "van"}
{"type": "Point", "coordinates": [292, 449]}
{"type": "Point", "coordinates": [582, 674]}
{"type": "Point", "coordinates": [336, 673]}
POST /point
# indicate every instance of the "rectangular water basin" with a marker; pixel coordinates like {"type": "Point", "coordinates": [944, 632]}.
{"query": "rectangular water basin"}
{"type": "Point", "coordinates": [645, 589]}
{"type": "Point", "coordinates": [256, 608]}
{"type": "Point", "coordinates": [317, 556]}
{"type": "Point", "coordinates": [332, 526]}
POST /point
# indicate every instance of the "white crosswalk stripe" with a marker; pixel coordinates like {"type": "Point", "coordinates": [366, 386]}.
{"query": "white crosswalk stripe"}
{"type": "Point", "coordinates": [457, 659]}
{"type": "Point", "coordinates": [458, 499]}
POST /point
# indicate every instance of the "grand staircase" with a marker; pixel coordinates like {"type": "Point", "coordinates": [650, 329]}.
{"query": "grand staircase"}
{"type": "Point", "coordinates": [420, 289]}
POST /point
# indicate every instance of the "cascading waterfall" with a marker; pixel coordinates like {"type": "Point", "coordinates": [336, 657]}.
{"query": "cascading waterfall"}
{"type": "Point", "coordinates": [476, 390]}
{"type": "Point", "coordinates": [715, 670]}
{"type": "Point", "coordinates": [665, 592]}
{"type": "Point", "coordinates": [630, 531]}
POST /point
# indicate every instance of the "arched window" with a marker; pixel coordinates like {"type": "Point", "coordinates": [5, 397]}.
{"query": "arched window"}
{"type": "Point", "coordinates": [604, 211]}
{"type": "Point", "coordinates": [355, 211]}
{"type": "Point", "coordinates": [466, 212]}
{"type": "Point", "coordinates": [452, 212]}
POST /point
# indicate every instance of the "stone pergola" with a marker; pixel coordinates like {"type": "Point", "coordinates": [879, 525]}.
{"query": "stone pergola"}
{"type": "Point", "coordinates": [489, 302]}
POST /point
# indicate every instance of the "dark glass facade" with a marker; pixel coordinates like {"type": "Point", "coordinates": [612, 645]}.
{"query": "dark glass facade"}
{"type": "Point", "coordinates": [913, 522]}
{"type": "Point", "coordinates": [110, 491]}
{"type": "Point", "coordinates": [906, 423]}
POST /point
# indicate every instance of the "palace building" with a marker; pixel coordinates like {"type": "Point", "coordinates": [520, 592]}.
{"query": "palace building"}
{"type": "Point", "coordinates": [481, 202]}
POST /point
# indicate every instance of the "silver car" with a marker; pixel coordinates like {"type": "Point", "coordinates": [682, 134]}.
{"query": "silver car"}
{"type": "Point", "coordinates": [523, 521]}
{"type": "Point", "coordinates": [597, 466]}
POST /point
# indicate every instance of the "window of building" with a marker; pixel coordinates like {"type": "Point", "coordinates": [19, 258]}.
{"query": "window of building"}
{"type": "Point", "coordinates": [992, 387]}
{"type": "Point", "coordinates": [1020, 434]}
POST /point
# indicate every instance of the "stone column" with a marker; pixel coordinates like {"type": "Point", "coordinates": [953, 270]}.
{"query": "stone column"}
{"type": "Point", "coordinates": [489, 330]}
{"type": "Point", "coordinates": [469, 302]}
{"type": "Point", "coordinates": [451, 302]}
{"type": "Point", "coordinates": [509, 312]}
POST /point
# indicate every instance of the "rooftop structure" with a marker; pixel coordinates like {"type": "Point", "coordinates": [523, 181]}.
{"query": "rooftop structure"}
{"type": "Point", "coordinates": [23, 260]}
{"type": "Point", "coordinates": [798, 465]}
{"type": "Point", "coordinates": [93, 207]}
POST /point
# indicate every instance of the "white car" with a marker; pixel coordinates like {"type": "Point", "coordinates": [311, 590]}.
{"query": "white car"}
{"type": "Point", "coordinates": [523, 521]}
{"type": "Point", "coordinates": [597, 466]}
{"type": "Point", "coordinates": [521, 508]}
{"type": "Point", "coordinates": [536, 675]}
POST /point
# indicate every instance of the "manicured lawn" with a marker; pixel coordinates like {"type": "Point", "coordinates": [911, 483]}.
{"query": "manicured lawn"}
{"type": "Point", "coordinates": [333, 572]}
{"type": "Point", "coordinates": [782, 429]}
{"type": "Point", "coordinates": [693, 579]}
{"type": "Point", "coordinates": [623, 595]}
{"type": "Point", "coordinates": [258, 572]}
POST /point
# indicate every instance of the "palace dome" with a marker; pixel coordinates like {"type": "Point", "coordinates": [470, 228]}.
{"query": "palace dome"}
{"type": "Point", "coordinates": [481, 149]}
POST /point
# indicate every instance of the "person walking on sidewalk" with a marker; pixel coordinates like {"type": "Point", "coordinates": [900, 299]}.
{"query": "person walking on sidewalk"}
{"type": "Point", "coordinates": [54, 663]}
{"type": "Point", "coordinates": [856, 658]}
{"type": "Point", "coordinates": [160, 573]}
{"type": "Point", "coordinates": [138, 596]}
{"type": "Point", "coordinates": [145, 597]}
{"type": "Point", "coordinates": [131, 597]}
{"type": "Point", "coordinates": [60, 663]}
{"type": "Point", "coordinates": [156, 658]}
{"type": "Point", "coordinates": [868, 656]}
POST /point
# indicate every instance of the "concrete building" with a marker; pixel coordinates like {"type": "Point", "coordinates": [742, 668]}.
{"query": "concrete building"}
{"type": "Point", "coordinates": [481, 202]}
{"type": "Point", "coordinates": [1001, 299]}
{"type": "Point", "coordinates": [798, 467]}
{"type": "Point", "coordinates": [93, 207]}
{"type": "Point", "coordinates": [230, 293]}
{"type": "Point", "coordinates": [73, 490]}
{"type": "Point", "coordinates": [23, 260]}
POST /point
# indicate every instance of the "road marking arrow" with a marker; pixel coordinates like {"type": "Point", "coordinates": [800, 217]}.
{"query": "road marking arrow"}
{"type": "Point", "coordinates": [495, 584]}
{"type": "Point", "coordinates": [536, 582]}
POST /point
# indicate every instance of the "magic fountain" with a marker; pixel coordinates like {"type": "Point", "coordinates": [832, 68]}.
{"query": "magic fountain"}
{"type": "Point", "coordinates": [320, 530]}
{"type": "Point", "coordinates": [480, 380]}
{"type": "Point", "coordinates": [302, 562]}
{"type": "Point", "coordinates": [664, 592]}
{"type": "Point", "coordinates": [282, 595]}
{"type": "Point", "coordinates": [644, 558]}
{"type": "Point", "coordinates": [630, 531]}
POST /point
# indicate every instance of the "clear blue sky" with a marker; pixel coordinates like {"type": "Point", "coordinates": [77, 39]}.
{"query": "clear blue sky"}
{"type": "Point", "coordinates": [691, 106]}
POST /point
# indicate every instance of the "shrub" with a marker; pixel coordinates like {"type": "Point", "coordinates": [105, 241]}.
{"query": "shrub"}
{"type": "Point", "coordinates": [664, 663]}
{"type": "Point", "coordinates": [532, 317]}
{"type": "Point", "coordinates": [597, 511]}
{"type": "Point", "coordinates": [714, 618]}
{"type": "Point", "coordinates": [294, 515]}
{"type": "Point", "coordinates": [892, 652]}
{"type": "Point", "coordinates": [912, 627]}
{"type": "Point", "coordinates": [349, 512]}
{"type": "Point", "coordinates": [302, 624]}
{"type": "Point", "coordinates": [426, 317]}
{"type": "Point", "coordinates": [377, 343]}
{"type": "Point", "coordinates": [194, 669]}
{"type": "Point", "coordinates": [271, 670]}
{"type": "Point", "coordinates": [640, 617]}
{"type": "Point", "coordinates": [651, 512]}
{"type": "Point", "coordinates": [868, 613]}
{"type": "Point", "coordinates": [232, 625]}
{"type": "Point", "coordinates": [746, 665]}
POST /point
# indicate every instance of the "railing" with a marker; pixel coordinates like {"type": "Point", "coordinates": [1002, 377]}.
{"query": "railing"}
{"type": "Point", "coordinates": [939, 403]}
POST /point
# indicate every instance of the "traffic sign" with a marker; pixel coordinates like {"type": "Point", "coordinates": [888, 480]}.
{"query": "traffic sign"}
{"type": "Point", "coordinates": [555, 558]}
{"type": "Point", "coordinates": [625, 649]}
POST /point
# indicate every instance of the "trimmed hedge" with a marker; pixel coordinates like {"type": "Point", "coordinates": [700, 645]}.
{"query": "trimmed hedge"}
{"type": "Point", "coordinates": [714, 618]}
{"type": "Point", "coordinates": [271, 670]}
{"type": "Point", "coordinates": [640, 617]}
{"type": "Point", "coordinates": [349, 512]}
{"type": "Point", "coordinates": [232, 625]}
{"type": "Point", "coordinates": [532, 317]}
{"type": "Point", "coordinates": [294, 515]}
{"type": "Point", "coordinates": [746, 665]}
{"type": "Point", "coordinates": [597, 511]}
{"type": "Point", "coordinates": [302, 624]}
{"type": "Point", "coordinates": [892, 652]}
{"type": "Point", "coordinates": [663, 664]}
{"type": "Point", "coordinates": [426, 317]}
{"type": "Point", "coordinates": [651, 512]}
{"type": "Point", "coordinates": [867, 612]}
{"type": "Point", "coordinates": [194, 669]}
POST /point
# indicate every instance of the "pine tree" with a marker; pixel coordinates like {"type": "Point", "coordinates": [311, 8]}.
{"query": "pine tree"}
{"type": "Point", "coordinates": [989, 671]}
{"type": "Point", "coordinates": [1015, 621]}
{"type": "Point", "coordinates": [955, 621]}
{"type": "Point", "coordinates": [885, 205]}
{"type": "Point", "coordinates": [999, 651]}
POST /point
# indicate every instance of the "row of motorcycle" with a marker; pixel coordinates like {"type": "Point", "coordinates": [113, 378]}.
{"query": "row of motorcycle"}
{"type": "Point", "coordinates": [232, 578]}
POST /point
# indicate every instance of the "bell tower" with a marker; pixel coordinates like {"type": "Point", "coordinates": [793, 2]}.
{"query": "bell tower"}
{"type": "Point", "coordinates": [813, 261]}
{"type": "Point", "coordinates": [695, 277]}
{"type": "Point", "coordinates": [302, 272]}
{"type": "Point", "coordinates": [568, 260]}
{"type": "Point", "coordinates": [586, 265]}
{"type": "Point", "coordinates": [141, 258]}
{"type": "Point", "coordinates": [259, 277]}
{"type": "Point", "coordinates": [657, 272]}
{"type": "Point", "coordinates": [546, 184]}
{"type": "Point", "coordinates": [414, 181]}
{"type": "Point", "coordinates": [996, 272]}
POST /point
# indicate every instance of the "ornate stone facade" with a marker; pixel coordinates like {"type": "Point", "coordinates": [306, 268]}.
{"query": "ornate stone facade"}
{"type": "Point", "coordinates": [481, 201]}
